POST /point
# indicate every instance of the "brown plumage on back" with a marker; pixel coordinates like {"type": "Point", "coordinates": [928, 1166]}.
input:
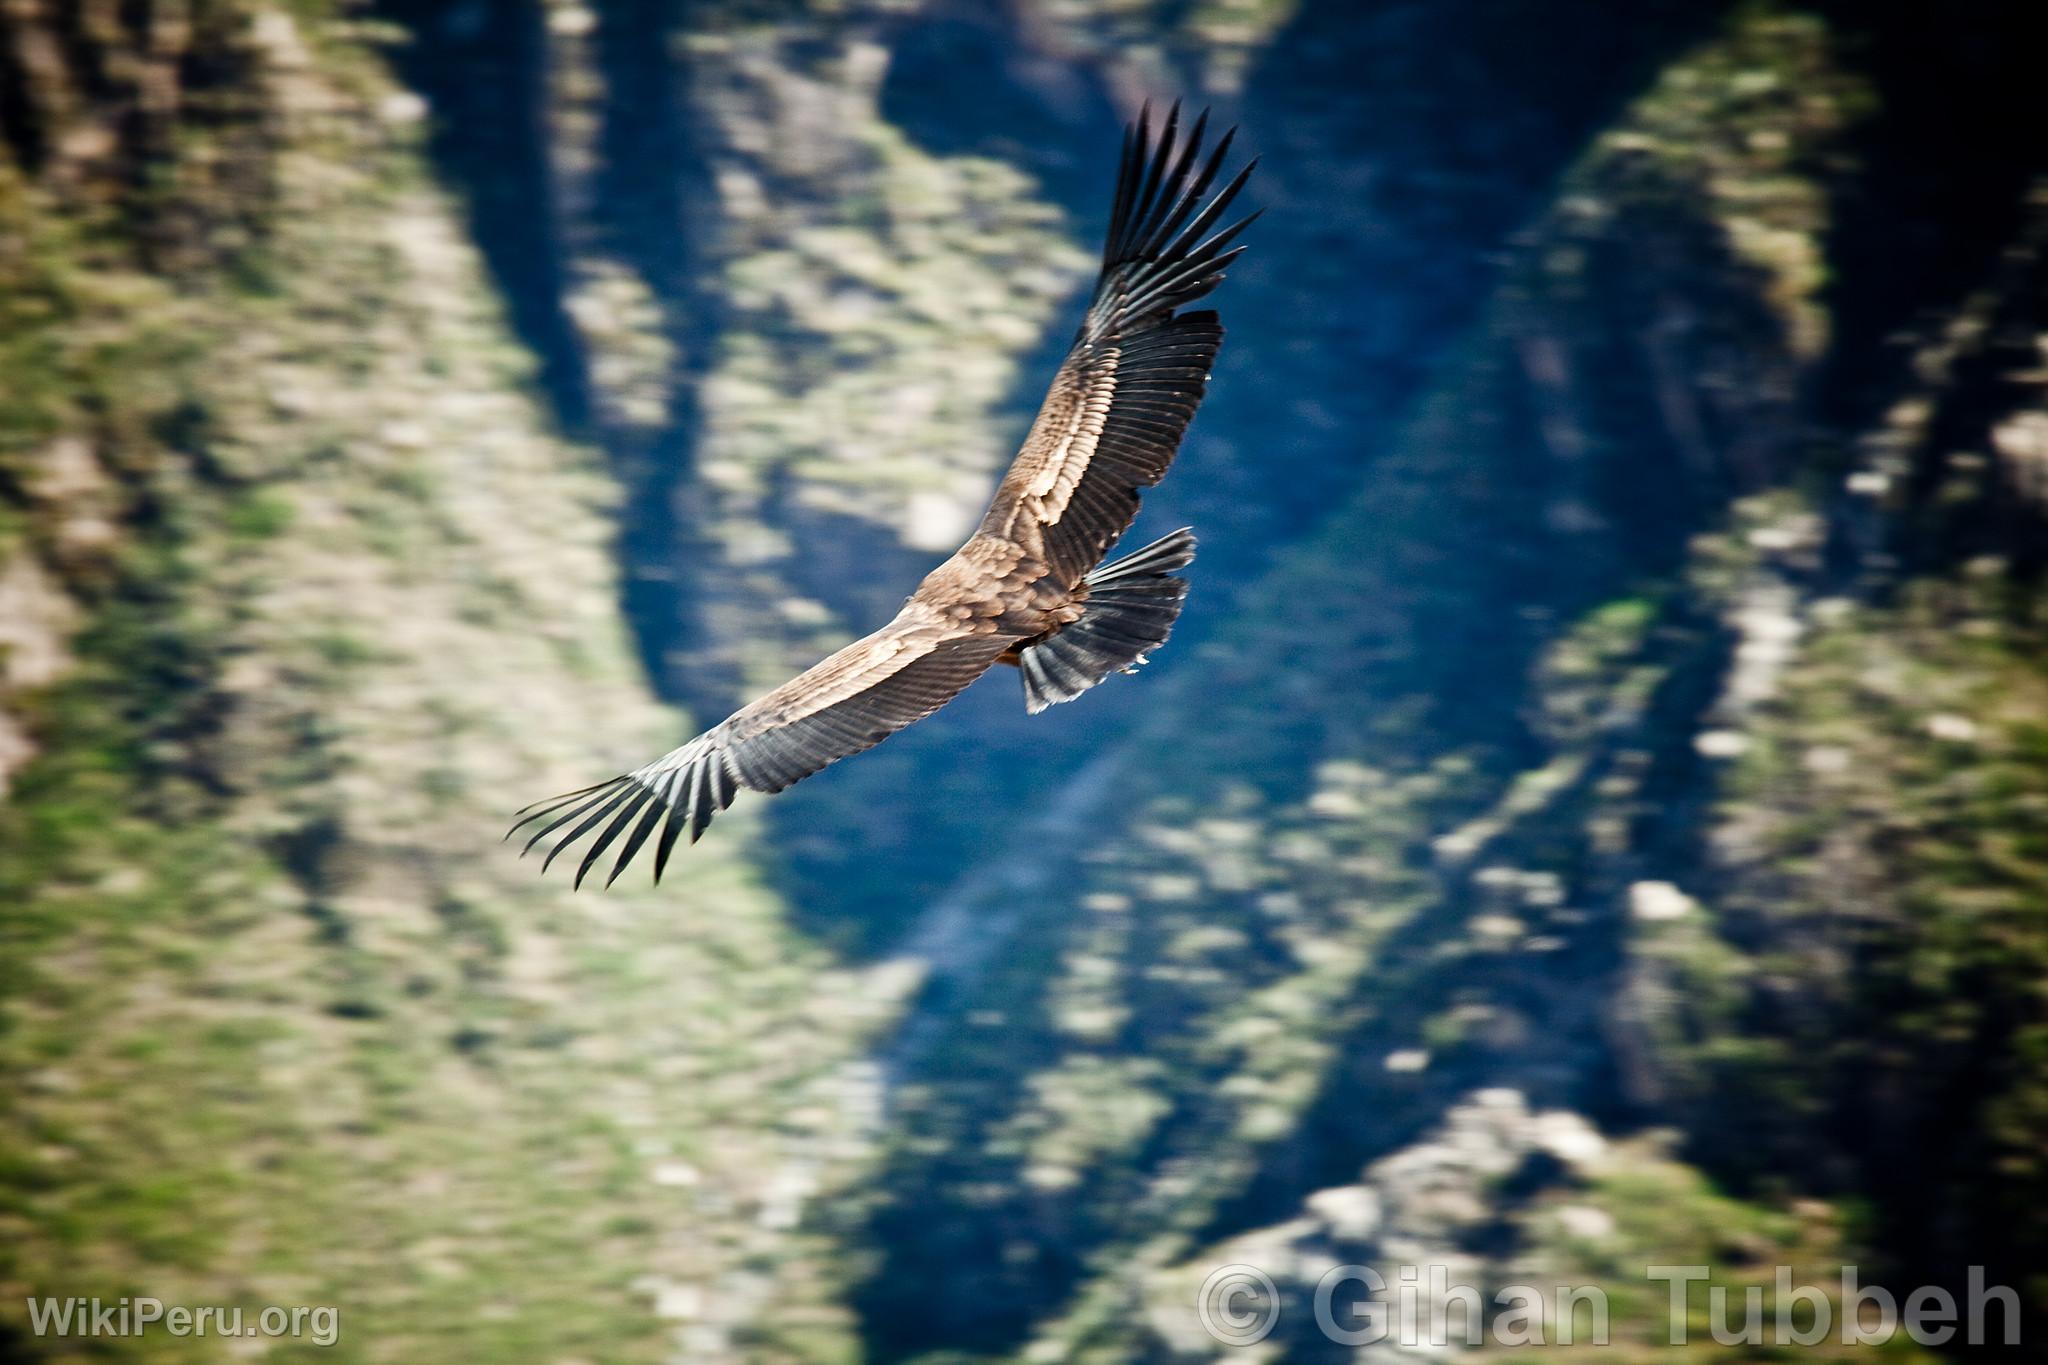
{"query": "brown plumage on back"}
{"type": "Point", "coordinates": [1029, 588]}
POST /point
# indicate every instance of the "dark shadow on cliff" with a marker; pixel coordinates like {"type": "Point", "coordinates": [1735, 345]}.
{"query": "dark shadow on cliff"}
{"type": "Point", "coordinates": [658, 214]}
{"type": "Point", "coordinates": [1934, 213]}
{"type": "Point", "coordinates": [481, 69]}
{"type": "Point", "coordinates": [1939, 175]}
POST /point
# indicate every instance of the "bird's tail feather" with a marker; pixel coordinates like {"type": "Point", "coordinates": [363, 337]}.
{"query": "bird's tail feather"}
{"type": "Point", "coordinates": [1132, 605]}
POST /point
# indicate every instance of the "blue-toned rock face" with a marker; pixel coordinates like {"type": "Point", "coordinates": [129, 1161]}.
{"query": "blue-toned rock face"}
{"type": "Point", "coordinates": [1589, 815]}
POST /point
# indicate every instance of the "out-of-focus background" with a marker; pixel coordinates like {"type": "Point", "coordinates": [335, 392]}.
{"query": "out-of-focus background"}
{"type": "Point", "coordinates": [1593, 813]}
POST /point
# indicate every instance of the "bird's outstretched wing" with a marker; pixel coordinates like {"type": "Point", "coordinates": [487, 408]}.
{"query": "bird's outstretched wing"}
{"type": "Point", "coordinates": [851, 701]}
{"type": "Point", "coordinates": [1124, 395]}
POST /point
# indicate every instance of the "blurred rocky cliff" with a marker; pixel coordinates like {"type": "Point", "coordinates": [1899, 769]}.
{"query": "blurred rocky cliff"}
{"type": "Point", "coordinates": [1594, 813]}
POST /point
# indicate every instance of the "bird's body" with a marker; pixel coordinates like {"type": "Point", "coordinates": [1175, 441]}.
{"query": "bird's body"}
{"type": "Point", "coordinates": [1029, 588]}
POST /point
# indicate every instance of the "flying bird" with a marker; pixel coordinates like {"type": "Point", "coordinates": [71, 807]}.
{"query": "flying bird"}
{"type": "Point", "coordinates": [1029, 588]}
